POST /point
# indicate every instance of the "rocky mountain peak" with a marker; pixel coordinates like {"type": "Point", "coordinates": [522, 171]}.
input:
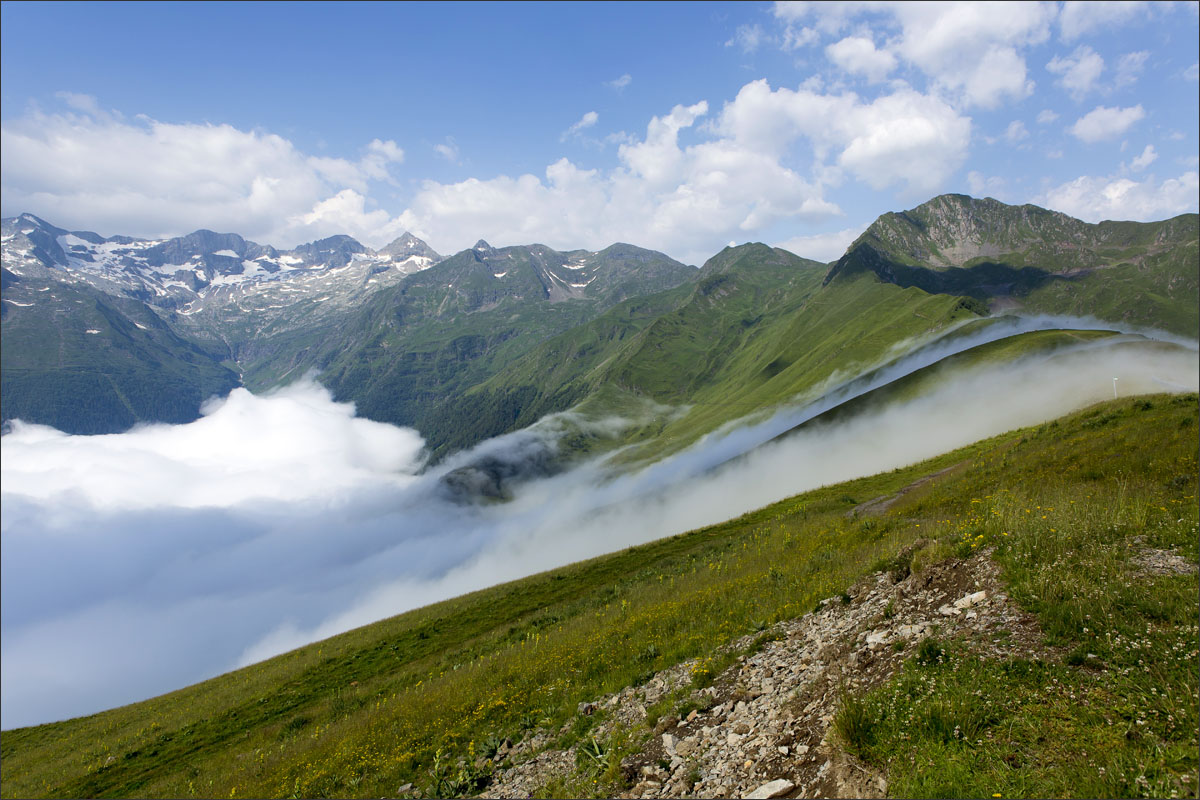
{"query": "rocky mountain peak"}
{"type": "Point", "coordinates": [334, 251]}
{"type": "Point", "coordinates": [408, 245]}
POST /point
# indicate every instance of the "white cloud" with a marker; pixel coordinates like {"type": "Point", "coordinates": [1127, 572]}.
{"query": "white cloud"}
{"type": "Point", "coordinates": [586, 121]}
{"type": "Point", "coordinates": [1079, 71]}
{"type": "Point", "coordinates": [89, 169]}
{"type": "Point", "coordinates": [972, 48]}
{"type": "Point", "coordinates": [251, 436]}
{"type": "Point", "coordinates": [857, 55]}
{"type": "Point", "coordinates": [747, 38]}
{"type": "Point", "coordinates": [1106, 123]}
{"type": "Point", "coordinates": [1098, 198]}
{"type": "Point", "coordinates": [108, 598]}
{"type": "Point", "coordinates": [447, 150]}
{"type": "Point", "coordinates": [969, 50]}
{"type": "Point", "coordinates": [901, 138]}
{"type": "Point", "coordinates": [1016, 131]}
{"type": "Point", "coordinates": [1147, 158]}
{"type": "Point", "coordinates": [1080, 17]}
{"type": "Point", "coordinates": [1192, 73]}
{"type": "Point", "coordinates": [346, 212]}
{"type": "Point", "coordinates": [620, 83]}
{"type": "Point", "coordinates": [1129, 66]}
{"type": "Point", "coordinates": [1046, 116]}
{"type": "Point", "coordinates": [685, 200]}
{"type": "Point", "coordinates": [980, 185]}
{"type": "Point", "coordinates": [822, 246]}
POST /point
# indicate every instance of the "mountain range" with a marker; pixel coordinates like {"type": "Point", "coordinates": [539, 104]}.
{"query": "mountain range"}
{"type": "Point", "coordinates": [102, 333]}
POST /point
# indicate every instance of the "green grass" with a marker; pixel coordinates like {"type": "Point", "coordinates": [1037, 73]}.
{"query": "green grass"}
{"type": "Point", "coordinates": [1117, 716]}
{"type": "Point", "coordinates": [365, 712]}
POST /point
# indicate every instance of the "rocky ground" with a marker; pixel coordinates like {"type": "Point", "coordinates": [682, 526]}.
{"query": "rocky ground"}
{"type": "Point", "coordinates": [763, 728]}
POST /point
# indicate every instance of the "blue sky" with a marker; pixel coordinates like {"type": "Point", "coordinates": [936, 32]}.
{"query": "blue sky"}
{"type": "Point", "coordinates": [681, 127]}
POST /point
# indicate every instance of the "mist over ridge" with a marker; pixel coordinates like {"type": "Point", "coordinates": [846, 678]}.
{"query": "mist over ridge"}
{"type": "Point", "coordinates": [224, 576]}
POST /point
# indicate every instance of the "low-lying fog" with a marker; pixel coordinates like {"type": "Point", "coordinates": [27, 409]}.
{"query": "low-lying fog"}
{"type": "Point", "coordinates": [137, 563]}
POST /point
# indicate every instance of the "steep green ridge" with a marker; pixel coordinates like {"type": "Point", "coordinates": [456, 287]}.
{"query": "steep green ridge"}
{"type": "Point", "coordinates": [755, 330]}
{"type": "Point", "coordinates": [411, 350]}
{"type": "Point", "coordinates": [367, 711]}
{"type": "Point", "coordinates": [88, 362]}
{"type": "Point", "coordinates": [490, 340]}
{"type": "Point", "coordinates": [1038, 260]}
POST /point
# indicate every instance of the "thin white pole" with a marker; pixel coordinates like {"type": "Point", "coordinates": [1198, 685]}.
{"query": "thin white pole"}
{"type": "Point", "coordinates": [1114, 387]}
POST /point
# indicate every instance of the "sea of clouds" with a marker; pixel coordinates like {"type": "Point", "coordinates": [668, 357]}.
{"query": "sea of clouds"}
{"type": "Point", "coordinates": [137, 563]}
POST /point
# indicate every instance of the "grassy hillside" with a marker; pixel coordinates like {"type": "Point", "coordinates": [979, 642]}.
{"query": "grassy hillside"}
{"type": "Point", "coordinates": [1066, 505]}
{"type": "Point", "coordinates": [757, 329]}
{"type": "Point", "coordinates": [1038, 260]}
{"type": "Point", "coordinates": [88, 362]}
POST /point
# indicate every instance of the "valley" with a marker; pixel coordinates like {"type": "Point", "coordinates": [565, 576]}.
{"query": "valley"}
{"type": "Point", "coordinates": [648, 529]}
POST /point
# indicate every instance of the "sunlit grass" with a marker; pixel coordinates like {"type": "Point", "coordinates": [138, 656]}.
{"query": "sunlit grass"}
{"type": "Point", "coordinates": [1064, 506]}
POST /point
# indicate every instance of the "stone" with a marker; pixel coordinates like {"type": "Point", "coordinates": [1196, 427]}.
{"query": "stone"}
{"type": "Point", "coordinates": [776, 788]}
{"type": "Point", "coordinates": [970, 600]}
{"type": "Point", "coordinates": [669, 741]}
{"type": "Point", "coordinates": [685, 748]}
{"type": "Point", "coordinates": [802, 750]}
{"type": "Point", "coordinates": [741, 728]}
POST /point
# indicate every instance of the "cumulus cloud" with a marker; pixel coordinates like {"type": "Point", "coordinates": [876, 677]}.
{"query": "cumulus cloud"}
{"type": "Point", "coordinates": [243, 448]}
{"type": "Point", "coordinates": [1148, 157]}
{"type": "Point", "coordinates": [620, 83]}
{"type": "Point", "coordinates": [857, 55]}
{"type": "Point", "coordinates": [1129, 66]}
{"type": "Point", "coordinates": [972, 47]}
{"type": "Point", "coordinates": [1099, 198]}
{"type": "Point", "coordinates": [586, 121]}
{"type": "Point", "coordinates": [1080, 17]}
{"type": "Point", "coordinates": [1103, 123]}
{"type": "Point", "coordinates": [900, 138]}
{"type": "Point", "coordinates": [747, 38]}
{"type": "Point", "coordinates": [110, 598]}
{"type": "Point", "coordinates": [447, 150]}
{"type": "Point", "coordinates": [90, 169]}
{"type": "Point", "coordinates": [85, 168]}
{"type": "Point", "coordinates": [1046, 116]}
{"type": "Point", "coordinates": [683, 199]}
{"type": "Point", "coordinates": [822, 246]}
{"type": "Point", "coordinates": [1016, 131]}
{"type": "Point", "coordinates": [688, 199]}
{"type": "Point", "coordinates": [1078, 72]}
{"type": "Point", "coordinates": [980, 185]}
{"type": "Point", "coordinates": [970, 50]}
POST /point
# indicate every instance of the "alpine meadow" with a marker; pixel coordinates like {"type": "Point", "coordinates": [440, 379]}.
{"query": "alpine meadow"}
{"type": "Point", "coordinates": [657, 400]}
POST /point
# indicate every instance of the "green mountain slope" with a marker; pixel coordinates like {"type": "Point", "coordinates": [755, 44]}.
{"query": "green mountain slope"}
{"type": "Point", "coordinates": [410, 353]}
{"type": "Point", "coordinates": [89, 362]}
{"type": "Point", "coordinates": [1025, 257]}
{"type": "Point", "coordinates": [755, 330]}
{"type": "Point", "coordinates": [382, 706]}
{"type": "Point", "coordinates": [490, 340]}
